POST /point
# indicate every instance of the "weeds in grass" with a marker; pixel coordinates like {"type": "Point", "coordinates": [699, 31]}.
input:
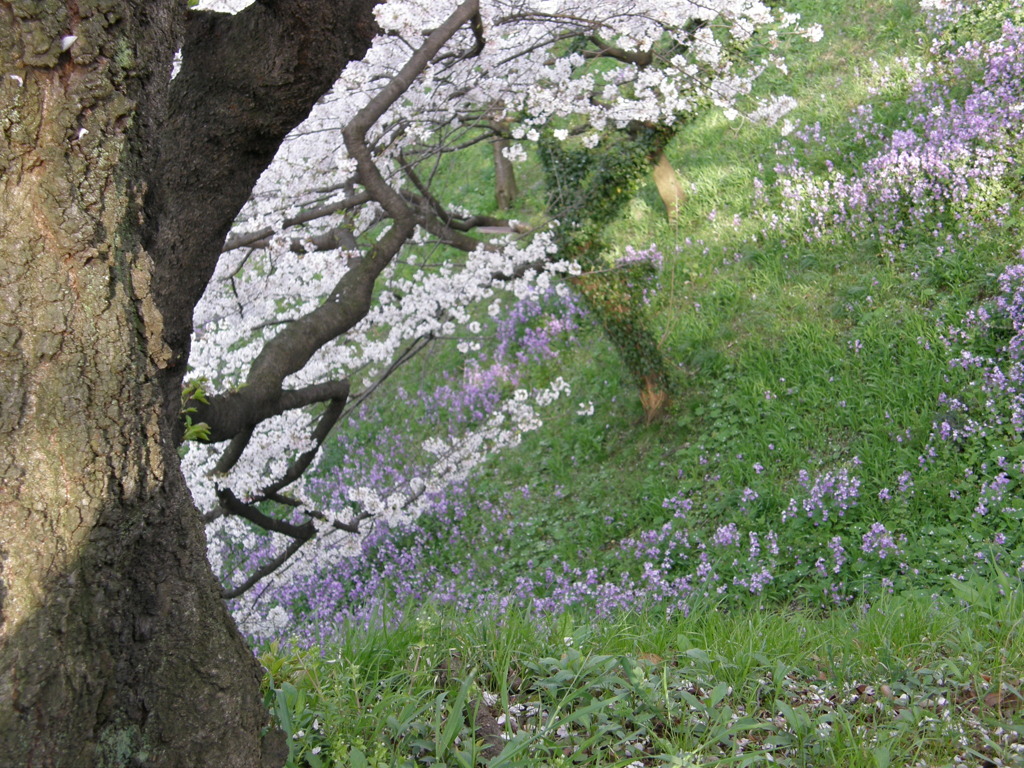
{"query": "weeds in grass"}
{"type": "Point", "coordinates": [911, 682]}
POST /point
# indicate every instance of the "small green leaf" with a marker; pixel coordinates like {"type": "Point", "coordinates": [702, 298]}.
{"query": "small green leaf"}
{"type": "Point", "coordinates": [720, 692]}
{"type": "Point", "coordinates": [357, 759]}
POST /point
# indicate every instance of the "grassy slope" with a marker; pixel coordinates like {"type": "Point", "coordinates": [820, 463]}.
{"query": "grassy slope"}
{"type": "Point", "coordinates": [739, 313]}
{"type": "Point", "coordinates": [743, 313]}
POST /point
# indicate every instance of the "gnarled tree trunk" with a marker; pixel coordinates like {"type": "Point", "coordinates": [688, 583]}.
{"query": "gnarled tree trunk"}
{"type": "Point", "coordinates": [115, 648]}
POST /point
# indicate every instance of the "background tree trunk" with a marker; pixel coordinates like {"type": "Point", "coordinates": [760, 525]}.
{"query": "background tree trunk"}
{"type": "Point", "coordinates": [115, 648]}
{"type": "Point", "coordinates": [505, 189]}
{"type": "Point", "coordinates": [587, 190]}
{"type": "Point", "coordinates": [670, 189]}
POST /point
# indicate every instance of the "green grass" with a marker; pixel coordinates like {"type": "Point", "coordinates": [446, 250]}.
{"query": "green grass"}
{"type": "Point", "coordinates": [913, 681]}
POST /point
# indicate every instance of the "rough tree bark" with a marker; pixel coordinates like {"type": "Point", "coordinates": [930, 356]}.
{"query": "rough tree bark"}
{"type": "Point", "coordinates": [117, 187]}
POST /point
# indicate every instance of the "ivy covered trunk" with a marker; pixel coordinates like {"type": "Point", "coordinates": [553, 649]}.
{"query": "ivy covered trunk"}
{"type": "Point", "coordinates": [588, 189]}
{"type": "Point", "coordinates": [616, 299]}
{"type": "Point", "coordinates": [115, 648]}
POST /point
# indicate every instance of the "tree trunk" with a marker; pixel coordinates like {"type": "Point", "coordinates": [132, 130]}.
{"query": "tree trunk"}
{"type": "Point", "coordinates": [670, 189]}
{"type": "Point", "coordinates": [505, 189]}
{"type": "Point", "coordinates": [115, 649]}
{"type": "Point", "coordinates": [587, 190]}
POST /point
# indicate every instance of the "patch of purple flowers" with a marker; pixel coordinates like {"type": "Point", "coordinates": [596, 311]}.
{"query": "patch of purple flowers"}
{"type": "Point", "coordinates": [946, 168]}
{"type": "Point", "coordinates": [879, 541]}
{"type": "Point", "coordinates": [827, 494]}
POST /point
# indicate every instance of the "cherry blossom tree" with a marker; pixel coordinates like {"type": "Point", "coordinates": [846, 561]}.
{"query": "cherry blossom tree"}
{"type": "Point", "coordinates": [345, 263]}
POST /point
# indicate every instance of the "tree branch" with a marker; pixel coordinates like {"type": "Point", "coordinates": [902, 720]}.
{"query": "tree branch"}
{"type": "Point", "coordinates": [235, 506]}
{"type": "Point", "coordinates": [332, 240]}
{"type": "Point", "coordinates": [263, 571]}
{"type": "Point", "coordinates": [349, 527]}
{"type": "Point", "coordinates": [607, 50]}
{"type": "Point", "coordinates": [234, 451]}
{"type": "Point", "coordinates": [300, 534]}
{"type": "Point", "coordinates": [323, 428]}
{"type": "Point", "coordinates": [233, 413]}
{"type": "Point", "coordinates": [245, 82]}
{"type": "Point", "coordinates": [258, 238]}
